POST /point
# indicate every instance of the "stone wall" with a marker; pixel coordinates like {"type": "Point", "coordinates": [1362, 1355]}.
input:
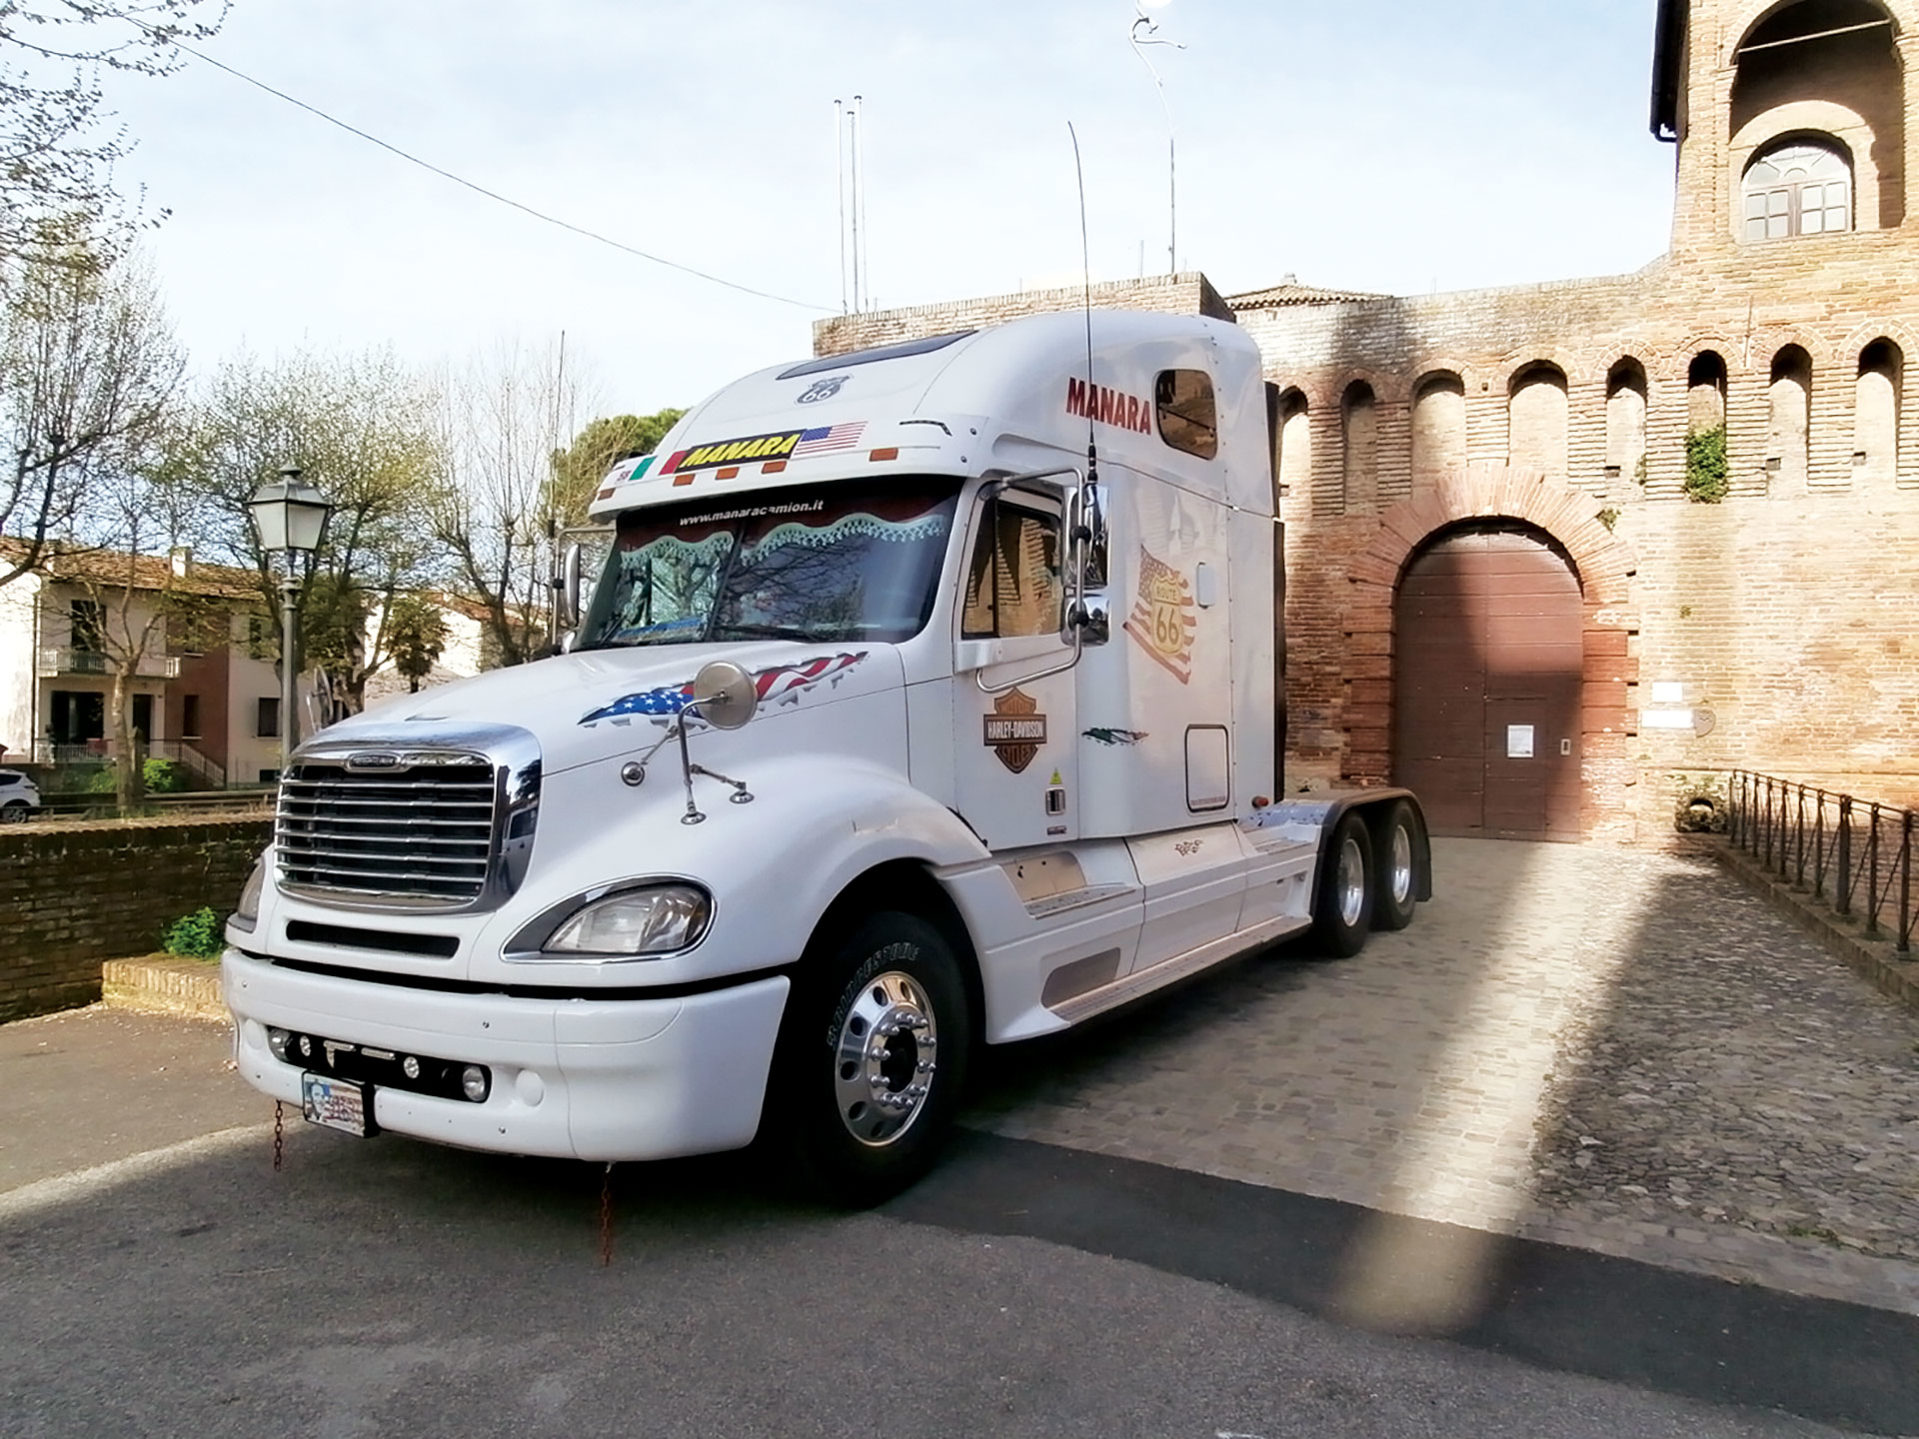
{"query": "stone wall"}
{"type": "Point", "coordinates": [78, 893]}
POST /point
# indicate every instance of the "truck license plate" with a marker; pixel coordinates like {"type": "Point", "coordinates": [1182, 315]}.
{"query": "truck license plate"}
{"type": "Point", "coordinates": [339, 1104]}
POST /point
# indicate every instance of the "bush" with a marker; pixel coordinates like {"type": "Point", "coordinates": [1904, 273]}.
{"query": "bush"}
{"type": "Point", "coordinates": [163, 776]}
{"type": "Point", "coordinates": [195, 936]}
{"type": "Point", "coordinates": [101, 781]}
{"type": "Point", "coordinates": [1706, 466]}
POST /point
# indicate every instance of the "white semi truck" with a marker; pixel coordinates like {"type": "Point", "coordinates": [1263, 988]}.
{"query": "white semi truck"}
{"type": "Point", "coordinates": [930, 696]}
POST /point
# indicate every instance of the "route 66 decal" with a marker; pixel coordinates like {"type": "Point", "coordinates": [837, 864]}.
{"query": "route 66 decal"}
{"type": "Point", "coordinates": [823, 389]}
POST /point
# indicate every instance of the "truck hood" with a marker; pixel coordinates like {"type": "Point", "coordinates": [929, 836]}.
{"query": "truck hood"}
{"type": "Point", "coordinates": [604, 703]}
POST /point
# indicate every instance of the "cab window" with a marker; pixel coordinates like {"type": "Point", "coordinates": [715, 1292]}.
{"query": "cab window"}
{"type": "Point", "coordinates": [1013, 585]}
{"type": "Point", "coordinates": [1188, 414]}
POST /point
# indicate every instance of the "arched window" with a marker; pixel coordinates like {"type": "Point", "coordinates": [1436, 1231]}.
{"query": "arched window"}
{"type": "Point", "coordinates": [1705, 393]}
{"type": "Point", "coordinates": [1788, 429]}
{"type": "Point", "coordinates": [1803, 187]}
{"type": "Point", "coordinates": [1625, 420]}
{"type": "Point", "coordinates": [1537, 406]}
{"type": "Point", "coordinates": [1439, 426]}
{"type": "Point", "coordinates": [1293, 465]}
{"type": "Point", "coordinates": [1875, 413]}
{"type": "Point", "coordinates": [1359, 414]}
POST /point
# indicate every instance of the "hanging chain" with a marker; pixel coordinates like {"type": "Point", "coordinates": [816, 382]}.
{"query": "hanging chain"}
{"type": "Point", "coordinates": [279, 1135]}
{"type": "Point", "coordinates": [606, 1217]}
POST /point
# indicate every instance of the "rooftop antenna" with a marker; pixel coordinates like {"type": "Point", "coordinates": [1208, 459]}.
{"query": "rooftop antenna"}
{"type": "Point", "coordinates": [1087, 524]}
{"type": "Point", "coordinates": [1086, 283]}
{"type": "Point", "coordinates": [1146, 32]}
{"type": "Point", "coordinates": [860, 296]}
{"type": "Point", "coordinates": [839, 176]}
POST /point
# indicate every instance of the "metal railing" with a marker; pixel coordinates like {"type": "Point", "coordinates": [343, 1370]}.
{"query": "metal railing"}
{"type": "Point", "coordinates": [57, 660]}
{"type": "Point", "coordinates": [1854, 854]}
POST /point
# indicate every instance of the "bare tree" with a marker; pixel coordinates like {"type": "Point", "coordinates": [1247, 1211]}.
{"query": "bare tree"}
{"type": "Point", "coordinates": [88, 368]}
{"type": "Point", "coordinates": [58, 145]}
{"type": "Point", "coordinates": [503, 420]}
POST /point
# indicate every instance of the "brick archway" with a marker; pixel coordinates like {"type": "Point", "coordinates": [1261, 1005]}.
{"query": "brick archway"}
{"type": "Point", "coordinates": [1604, 567]}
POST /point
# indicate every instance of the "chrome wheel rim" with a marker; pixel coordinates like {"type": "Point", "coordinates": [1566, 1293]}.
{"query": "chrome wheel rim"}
{"type": "Point", "coordinates": [1350, 882]}
{"type": "Point", "coordinates": [1402, 879]}
{"type": "Point", "coordinates": [885, 1060]}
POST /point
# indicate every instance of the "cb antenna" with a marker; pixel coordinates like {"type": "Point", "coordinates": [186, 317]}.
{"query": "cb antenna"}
{"type": "Point", "coordinates": [1086, 282]}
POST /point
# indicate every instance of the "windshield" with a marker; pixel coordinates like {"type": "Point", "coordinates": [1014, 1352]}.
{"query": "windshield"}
{"type": "Point", "coordinates": [832, 562]}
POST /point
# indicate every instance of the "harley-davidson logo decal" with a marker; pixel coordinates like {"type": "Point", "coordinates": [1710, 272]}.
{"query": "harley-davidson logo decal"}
{"type": "Point", "coordinates": [1015, 730]}
{"type": "Point", "coordinates": [1164, 616]}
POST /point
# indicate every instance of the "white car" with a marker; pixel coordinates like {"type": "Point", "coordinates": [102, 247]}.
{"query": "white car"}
{"type": "Point", "coordinates": [19, 797]}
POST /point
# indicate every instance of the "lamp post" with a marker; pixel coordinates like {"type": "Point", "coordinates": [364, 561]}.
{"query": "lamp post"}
{"type": "Point", "coordinates": [290, 516]}
{"type": "Point", "coordinates": [1146, 32]}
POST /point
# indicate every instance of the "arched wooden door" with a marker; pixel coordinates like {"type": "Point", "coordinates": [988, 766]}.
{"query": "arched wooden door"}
{"type": "Point", "coordinates": [1487, 667]}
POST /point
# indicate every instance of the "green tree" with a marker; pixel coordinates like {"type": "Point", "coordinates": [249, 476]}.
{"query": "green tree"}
{"type": "Point", "coordinates": [416, 635]}
{"type": "Point", "coordinates": [578, 469]}
{"type": "Point", "coordinates": [363, 429]}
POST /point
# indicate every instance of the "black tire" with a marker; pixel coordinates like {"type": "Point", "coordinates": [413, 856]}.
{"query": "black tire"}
{"type": "Point", "coordinates": [15, 813]}
{"type": "Point", "coordinates": [1396, 869]}
{"type": "Point", "coordinates": [841, 1098]}
{"type": "Point", "coordinates": [1344, 914]}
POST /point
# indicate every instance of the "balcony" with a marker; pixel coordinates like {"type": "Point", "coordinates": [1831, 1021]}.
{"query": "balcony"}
{"type": "Point", "coordinates": [57, 661]}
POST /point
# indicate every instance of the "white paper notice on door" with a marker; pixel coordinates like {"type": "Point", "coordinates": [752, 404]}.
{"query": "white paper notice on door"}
{"type": "Point", "coordinates": [1519, 741]}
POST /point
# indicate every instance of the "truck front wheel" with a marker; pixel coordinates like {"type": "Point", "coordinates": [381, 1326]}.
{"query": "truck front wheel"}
{"type": "Point", "coordinates": [1345, 911]}
{"type": "Point", "coordinates": [872, 1059]}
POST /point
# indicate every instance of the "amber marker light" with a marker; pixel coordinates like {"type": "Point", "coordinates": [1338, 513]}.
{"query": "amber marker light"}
{"type": "Point", "coordinates": [891, 452]}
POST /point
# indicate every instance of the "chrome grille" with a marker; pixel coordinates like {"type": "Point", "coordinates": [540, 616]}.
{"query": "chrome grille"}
{"type": "Point", "coordinates": [420, 833]}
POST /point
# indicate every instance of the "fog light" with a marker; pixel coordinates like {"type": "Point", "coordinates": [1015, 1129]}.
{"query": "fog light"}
{"type": "Point", "coordinates": [410, 1067]}
{"type": "Point", "coordinates": [473, 1083]}
{"type": "Point", "coordinates": [277, 1043]}
{"type": "Point", "coordinates": [306, 1047]}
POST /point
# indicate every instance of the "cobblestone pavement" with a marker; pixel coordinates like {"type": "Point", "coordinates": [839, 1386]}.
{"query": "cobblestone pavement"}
{"type": "Point", "coordinates": [1615, 1049]}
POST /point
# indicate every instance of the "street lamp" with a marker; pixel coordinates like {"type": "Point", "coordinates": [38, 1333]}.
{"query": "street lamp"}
{"type": "Point", "coordinates": [290, 515]}
{"type": "Point", "coordinates": [1146, 32]}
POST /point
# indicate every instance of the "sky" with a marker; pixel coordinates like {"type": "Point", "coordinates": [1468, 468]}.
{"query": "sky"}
{"type": "Point", "coordinates": [1402, 146]}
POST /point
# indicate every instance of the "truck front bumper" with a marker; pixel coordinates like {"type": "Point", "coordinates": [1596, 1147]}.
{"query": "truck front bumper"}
{"type": "Point", "coordinates": [592, 1079]}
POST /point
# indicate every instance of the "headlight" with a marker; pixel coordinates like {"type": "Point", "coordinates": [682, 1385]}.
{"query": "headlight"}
{"type": "Point", "coordinates": [660, 919]}
{"type": "Point", "coordinates": [246, 913]}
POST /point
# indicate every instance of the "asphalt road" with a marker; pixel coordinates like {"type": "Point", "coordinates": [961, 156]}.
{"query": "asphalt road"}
{"type": "Point", "coordinates": [158, 1277]}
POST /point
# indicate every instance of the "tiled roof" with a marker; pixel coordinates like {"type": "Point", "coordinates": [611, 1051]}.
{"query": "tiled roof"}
{"type": "Point", "coordinates": [1277, 297]}
{"type": "Point", "coordinates": [148, 572]}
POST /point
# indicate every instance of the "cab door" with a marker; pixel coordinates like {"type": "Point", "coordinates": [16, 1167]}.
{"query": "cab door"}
{"type": "Point", "coordinates": [1013, 692]}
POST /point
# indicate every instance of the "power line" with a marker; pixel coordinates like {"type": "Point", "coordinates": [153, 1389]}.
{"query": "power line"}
{"type": "Point", "coordinates": [476, 188]}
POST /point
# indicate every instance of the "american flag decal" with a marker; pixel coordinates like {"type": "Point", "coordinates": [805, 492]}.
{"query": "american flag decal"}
{"type": "Point", "coordinates": [1164, 617]}
{"type": "Point", "coordinates": [779, 684]}
{"type": "Point", "coordinates": [825, 439]}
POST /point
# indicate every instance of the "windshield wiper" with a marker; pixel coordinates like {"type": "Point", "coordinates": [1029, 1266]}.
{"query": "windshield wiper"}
{"type": "Point", "coordinates": [763, 632]}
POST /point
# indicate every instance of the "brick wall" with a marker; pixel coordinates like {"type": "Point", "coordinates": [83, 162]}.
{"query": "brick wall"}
{"type": "Point", "coordinates": [76, 894]}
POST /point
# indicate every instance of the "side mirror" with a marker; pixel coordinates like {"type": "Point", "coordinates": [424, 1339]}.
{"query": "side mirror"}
{"type": "Point", "coordinates": [1089, 536]}
{"type": "Point", "coordinates": [724, 694]}
{"type": "Point", "coordinates": [570, 584]}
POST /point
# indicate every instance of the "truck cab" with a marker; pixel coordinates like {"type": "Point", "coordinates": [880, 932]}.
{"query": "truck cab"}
{"type": "Point", "coordinates": [929, 696]}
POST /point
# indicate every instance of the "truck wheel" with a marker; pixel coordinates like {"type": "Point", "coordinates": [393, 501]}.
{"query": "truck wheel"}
{"type": "Point", "coordinates": [1345, 911]}
{"type": "Point", "coordinates": [873, 1058]}
{"type": "Point", "coordinates": [1396, 863]}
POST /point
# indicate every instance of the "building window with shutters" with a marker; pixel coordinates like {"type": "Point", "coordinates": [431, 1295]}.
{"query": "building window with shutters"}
{"type": "Point", "coordinates": [1800, 188]}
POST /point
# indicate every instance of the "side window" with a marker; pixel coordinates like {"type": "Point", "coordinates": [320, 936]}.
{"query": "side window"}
{"type": "Point", "coordinates": [1014, 585]}
{"type": "Point", "coordinates": [1188, 414]}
